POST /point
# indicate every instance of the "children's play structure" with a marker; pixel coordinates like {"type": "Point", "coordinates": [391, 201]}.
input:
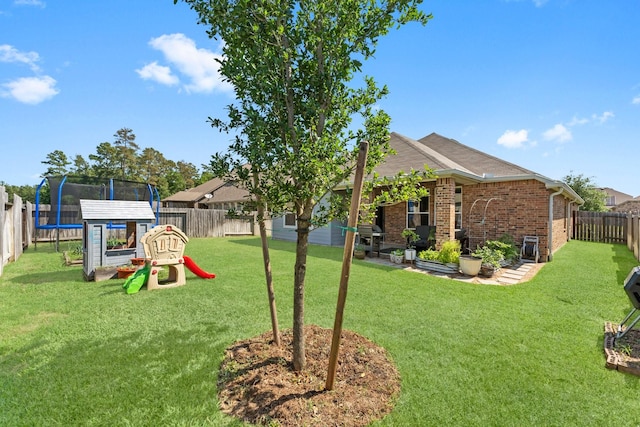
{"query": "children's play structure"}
{"type": "Point", "coordinates": [103, 251]}
{"type": "Point", "coordinates": [164, 248]}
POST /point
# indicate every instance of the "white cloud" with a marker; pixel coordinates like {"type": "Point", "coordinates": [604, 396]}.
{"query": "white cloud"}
{"type": "Point", "coordinates": [558, 133]}
{"type": "Point", "coordinates": [636, 100]}
{"type": "Point", "coordinates": [514, 138]}
{"type": "Point", "coordinates": [537, 3]}
{"type": "Point", "coordinates": [198, 65]}
{"type": "Point", "coordinates": [158, 73]}
{"type": "Point", "coordinates": [30, 90]}
{"type": "Point", "coordinates": [603, 117]}
{"type": "Point", "coordinates": [577, 121]}
{"type": "Point", "coordinates": [9, 53]}
{"type": "Point", "coordinates": [29, 3]}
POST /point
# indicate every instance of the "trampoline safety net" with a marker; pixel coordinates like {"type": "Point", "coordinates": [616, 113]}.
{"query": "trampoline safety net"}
{"type": "Point", "coordinates": [66, 193]}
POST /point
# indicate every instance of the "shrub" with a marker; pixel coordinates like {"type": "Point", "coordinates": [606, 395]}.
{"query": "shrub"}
{"type": "Point", "coordinates": [429, 255]}
{"type": "Point", "coordinates": [489, 256]}
{"type": "Point", "coordinates": [450, 252]}
{"type": "Point", "coordinates": [506, 246]}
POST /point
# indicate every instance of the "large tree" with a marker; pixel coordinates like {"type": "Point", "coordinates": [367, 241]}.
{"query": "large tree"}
{"type": "Point", "coordinates": [293, 66]}
{"type": "Point", "coordinates": [127, 152]}
{"type": "Point", "coordinates": [81, 166]}
{"type": "Point", "coordinates": [105, 161]}
{"type": "Point", "coordinates": [57, 162]}
{"type": "Point", "coordinates": [593, 197]}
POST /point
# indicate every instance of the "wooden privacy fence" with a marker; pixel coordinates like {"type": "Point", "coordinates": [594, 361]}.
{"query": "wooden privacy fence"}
{"type": "Point", "coordinates": [193, 222]}
{"type": "Point", "coordinates": [207, 222]}
{"type": "Point", "coordinates": [15, 227]}
{"type": "Point", "coordinates": [605, 227]}
{"type": "Point", "coordinates": [633, 235]}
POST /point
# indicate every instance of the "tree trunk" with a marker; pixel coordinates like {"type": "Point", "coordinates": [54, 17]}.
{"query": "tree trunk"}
{"type": "Point", "coordinates": [300, 269]}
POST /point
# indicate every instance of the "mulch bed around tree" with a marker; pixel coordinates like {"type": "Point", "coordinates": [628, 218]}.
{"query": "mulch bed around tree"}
{"type": "Point", "coordinates": [623, 354]}
{"type": "Point", "coordinates": [257, 383]}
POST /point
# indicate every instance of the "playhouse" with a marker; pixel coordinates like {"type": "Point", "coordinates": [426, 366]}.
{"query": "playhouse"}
{"type": "Point", "coordinates": [111, 234]}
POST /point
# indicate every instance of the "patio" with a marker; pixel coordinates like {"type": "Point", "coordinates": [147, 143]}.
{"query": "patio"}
{"type": "Point", "coordinates": [520, 272]}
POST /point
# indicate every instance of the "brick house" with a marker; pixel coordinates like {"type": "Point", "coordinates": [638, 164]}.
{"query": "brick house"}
{"type": "Point", "coordinates": [482, 194]}
{"type": "Point", "coordinates": [614, 198]}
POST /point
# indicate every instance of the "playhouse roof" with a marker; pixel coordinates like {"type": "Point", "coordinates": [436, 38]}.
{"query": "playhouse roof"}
{"type": "Point", "coordinates": [115, 210]}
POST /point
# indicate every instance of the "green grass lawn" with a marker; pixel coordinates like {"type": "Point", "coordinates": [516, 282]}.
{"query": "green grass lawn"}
{"type": "Point", "coordinates": [86, 353]}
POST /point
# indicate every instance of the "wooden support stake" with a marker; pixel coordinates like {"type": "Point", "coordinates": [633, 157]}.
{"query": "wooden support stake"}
{"type": "Point", "coordinates": [352, 224]}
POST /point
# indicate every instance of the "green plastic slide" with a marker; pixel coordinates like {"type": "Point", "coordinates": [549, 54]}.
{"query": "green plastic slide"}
{"type": "Point", "coordinates": [136, 280]}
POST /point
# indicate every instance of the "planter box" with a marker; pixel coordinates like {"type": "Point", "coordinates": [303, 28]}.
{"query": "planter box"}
{"type": "Point", "coordinates": [437, 266]}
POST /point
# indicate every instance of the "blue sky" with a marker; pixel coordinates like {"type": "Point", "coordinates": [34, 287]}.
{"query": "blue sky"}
{"type": "Point", "coordinates": [550, 85]}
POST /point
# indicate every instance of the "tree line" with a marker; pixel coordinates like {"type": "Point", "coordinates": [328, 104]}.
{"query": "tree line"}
{"type": "Point", "coordinates": [121, 159]}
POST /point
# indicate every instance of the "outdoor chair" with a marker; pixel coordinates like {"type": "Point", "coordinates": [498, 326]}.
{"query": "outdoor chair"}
{"type": "Point", "coordinates": [427, 237]}
{"type": "Point", "coordinates": [461, 236]}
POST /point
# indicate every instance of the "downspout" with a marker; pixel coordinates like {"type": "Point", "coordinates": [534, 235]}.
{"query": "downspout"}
{"type": "Point", "coordinates": [550, 239]}
{"type": "Point", "coordinates": [569, 223]}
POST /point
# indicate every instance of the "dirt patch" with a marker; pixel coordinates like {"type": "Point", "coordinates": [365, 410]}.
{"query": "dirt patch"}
{"type": "Point", "coordinates": [257, 383]}
{"type": "Point", "coordinates": [623, 354]}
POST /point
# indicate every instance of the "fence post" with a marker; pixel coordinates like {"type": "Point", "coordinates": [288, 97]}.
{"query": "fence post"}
{"type": "Point", "coordinates": [3, 201]}
{"type": "Point", "coordinates": [17, 227]}
{"type": "Point", "coordinates": [636, 237]}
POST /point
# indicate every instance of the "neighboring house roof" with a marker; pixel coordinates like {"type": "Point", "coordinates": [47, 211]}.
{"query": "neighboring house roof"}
{"type": "Point", "coordinates": [449, 158]}
{"type": "Point", "coordinates": [629, 206]}
{"type": "Point", "coordinates": [220, 191]}
{"type": "Point", "coordinates": [196, 194]}
{"type": "Point", "coordinates": [115, 210]}
{"type": "Point", "coordinates": [229, 193]}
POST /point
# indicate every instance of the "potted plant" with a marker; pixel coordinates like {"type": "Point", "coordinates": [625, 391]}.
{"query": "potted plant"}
{"type": "Point", "coordinates": [396, 256]}
{"type": "Point", "coordinates": [470, 265]}
{"type": "Point", "coordinates": [491, 259]}
{"type": "Point", "coordinates": [359, 251]}
{"type": "Point", "coordinates": [411, 237]}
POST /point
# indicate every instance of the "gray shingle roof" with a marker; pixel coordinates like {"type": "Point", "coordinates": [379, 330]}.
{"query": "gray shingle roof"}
{"type": "Point", "coordinates": [115, 210]}
{"type": "Point", "coordinates": [440, 154]}
{"type": "Point", "coordinates": [229, 193]}
{"type": "Point", "coordinates": [196, 193]}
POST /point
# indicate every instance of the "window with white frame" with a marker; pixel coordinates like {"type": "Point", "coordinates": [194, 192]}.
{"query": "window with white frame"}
{"type": "Point", "coordinates": [418, 212]}
{"type": "Point", "coordinates": [290, 220]}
